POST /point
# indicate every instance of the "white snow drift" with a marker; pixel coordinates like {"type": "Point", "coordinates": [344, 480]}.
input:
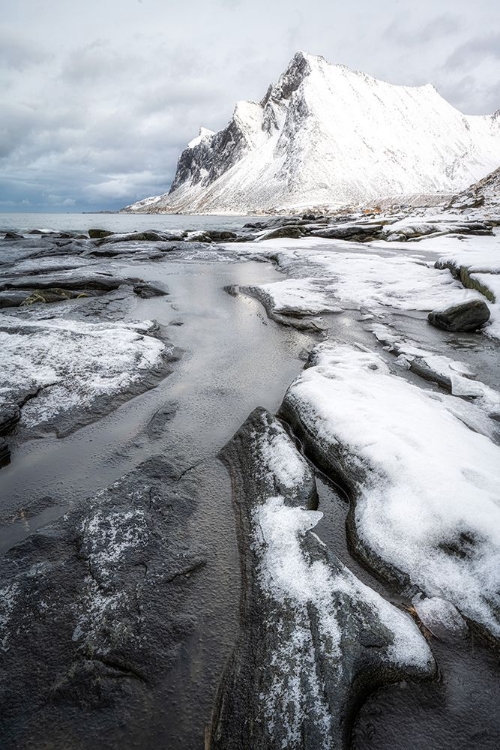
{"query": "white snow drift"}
{"type": "Point", "coordinates": [429, 501]}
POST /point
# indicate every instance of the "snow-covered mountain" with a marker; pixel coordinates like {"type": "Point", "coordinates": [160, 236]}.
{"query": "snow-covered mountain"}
{"type": "Point", "coordinates": [327, 136]}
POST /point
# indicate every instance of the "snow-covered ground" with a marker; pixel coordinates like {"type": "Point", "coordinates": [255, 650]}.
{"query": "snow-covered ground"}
{"type": "Point", "coordinates": [326, 274]}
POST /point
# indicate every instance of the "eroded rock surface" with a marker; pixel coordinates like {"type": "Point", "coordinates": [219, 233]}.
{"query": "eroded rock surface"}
{"type": "Point", "coordinates": [314, 639]}
{"type": "Point", "coordinates": [94, 610]}
{"type": "Point", "coordinates": [425, 510]}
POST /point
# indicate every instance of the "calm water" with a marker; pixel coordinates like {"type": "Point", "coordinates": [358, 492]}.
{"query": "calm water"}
{"type": "Point", "coordinates": [117, 222]}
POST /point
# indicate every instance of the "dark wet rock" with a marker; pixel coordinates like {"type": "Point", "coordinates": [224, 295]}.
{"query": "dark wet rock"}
{"type": "Point", "coordinates": [160, 420]}
{"type": "Point", "coordinates": [278, 221]}
{"type": "Point", "coordinates": [98, 234]}
{"type": "Point", "coordinates": [232, 289]}
{"type": "Point", "coordinates": [292, 232]}
{"type": "Point", "coordinates": [304, 658]}
{"type": "Point", "coordinates": [60, 284]}
{"type": "Point", "coordinates": [468, 316]}
{"type": "Point", "coordinates": [13, 236]}
{"type": "Point", "coordinates": [13, 297]}
{"type": "Point", "coordinates": [148, 236]}
{"type": "Point", "coordinates": [9, 417]}
{"type": "Point", "coordinates": [221, 235]}
{"type": "Point", "coordinates": [352, 232]}
{"type": "Point", "coordinates": [148, 290]}
{"type": "Point", "coordinates": [4, 453]}
{"type": "Point", "coordinates": [95, 609]}
{"type": "Point", "coordinates": [65, 248]}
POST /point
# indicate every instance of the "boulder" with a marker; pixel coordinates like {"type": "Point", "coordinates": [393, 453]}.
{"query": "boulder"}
{"type": "Point", "coordinates": [351, 232]}
{"type": "Point", "coordinates": [13, 236]}
{"type": "Point", "coordinates": [99, 234]}
{"type": "Point", "coordinates": [292, 232]}
{"type": "Point", "coordinates": [313, 640]}
{"type": "Point", "coordinates": [96, 609]}
{"type": "Point", "coordinates": [468, 316]}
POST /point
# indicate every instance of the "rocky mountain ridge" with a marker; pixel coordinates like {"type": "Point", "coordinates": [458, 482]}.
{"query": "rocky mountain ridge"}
{"type": "Point", "coordinates": [324, 136]}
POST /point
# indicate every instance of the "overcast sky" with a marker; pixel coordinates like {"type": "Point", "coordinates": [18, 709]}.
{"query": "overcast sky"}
{"type": "Point", "coordinates": [98, 97]}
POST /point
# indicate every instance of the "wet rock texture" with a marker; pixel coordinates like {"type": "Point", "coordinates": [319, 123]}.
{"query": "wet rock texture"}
{"type": "Point", "coordinates": [303, 661]}
{"type": "Point", "coordinates": [467, 317]}
{"type": "Point", "coordinates": [94, 610]}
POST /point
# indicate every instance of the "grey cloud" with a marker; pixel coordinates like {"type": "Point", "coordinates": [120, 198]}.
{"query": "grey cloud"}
{"type": "Point", "coordinates": [20, 53]}
{"type": "Point", "coordinates": [405, 32]}
{"type": "Point", "coordinates": [97, 107]}
{"type": "Point", "coordinates": [474, 51]}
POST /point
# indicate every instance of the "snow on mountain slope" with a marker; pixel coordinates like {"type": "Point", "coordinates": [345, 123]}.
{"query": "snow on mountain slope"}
{"type": "Point", "coordinates": [327, 136]}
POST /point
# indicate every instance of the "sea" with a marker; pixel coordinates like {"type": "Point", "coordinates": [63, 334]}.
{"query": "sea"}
{"type": "Point", "coordinates": [80, 222]}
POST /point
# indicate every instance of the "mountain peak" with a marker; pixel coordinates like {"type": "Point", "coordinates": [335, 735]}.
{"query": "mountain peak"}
{"type": "Point", "coordinates": [324, 135]}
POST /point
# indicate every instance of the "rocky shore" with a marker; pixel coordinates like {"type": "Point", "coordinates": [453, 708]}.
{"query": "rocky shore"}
{"type": "Point", "coordinates": [393, 326]}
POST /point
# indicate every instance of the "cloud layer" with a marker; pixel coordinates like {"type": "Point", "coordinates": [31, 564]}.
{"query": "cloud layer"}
{"type": "Point", "coordinates": [98, 99]}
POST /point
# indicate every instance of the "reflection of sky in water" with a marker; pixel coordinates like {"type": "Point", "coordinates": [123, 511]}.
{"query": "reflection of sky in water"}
{"type": "Point", "coordinates": [234, 360]}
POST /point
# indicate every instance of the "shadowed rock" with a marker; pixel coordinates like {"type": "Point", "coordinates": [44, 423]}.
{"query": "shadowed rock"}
{"type": "Point", "coordinates": [9, 417]}
{"type": "Point", "coordinates": [98, 234]}
{"type": "Point", "coordinates": [4, 453]}
{"type": "Point", "coordinates": [466, 317]}
{"type": "Point", "coordinates": [95, 608]}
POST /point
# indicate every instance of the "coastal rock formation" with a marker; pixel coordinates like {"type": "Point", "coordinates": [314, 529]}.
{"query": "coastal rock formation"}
{"type": "Point", "coordinates": [314, 640]}
{"type": "Point", "coordinates": [93, 612]}
{"type": "Point", "coordinates": [425, 517]}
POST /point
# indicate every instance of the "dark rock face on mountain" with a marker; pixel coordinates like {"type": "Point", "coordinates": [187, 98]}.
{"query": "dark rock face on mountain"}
{"type": "Point", "coordinates": [484, 194]}
{"type": "Point", "coordinates": [95, 608]}
{"type": "Point", "coordinates": [313, 639]}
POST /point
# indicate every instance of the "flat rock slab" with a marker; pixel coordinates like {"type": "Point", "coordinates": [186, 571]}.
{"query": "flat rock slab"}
{"type": "Point", "coordinates": [94, 610]}
{"type": "Point", "coordinates": [314, 640]}
{"type": "Point", "coordinates": [101, 282]}
{"type": "Point", "coordinates": [65, 373]}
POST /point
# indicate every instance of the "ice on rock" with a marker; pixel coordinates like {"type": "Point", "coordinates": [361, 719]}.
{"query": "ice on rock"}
{"type": "Point", "coordinates": [457, 376]}
{"type": "Point", "coordinates": [426, 488]}
{"type": "Point", "coordinates": [440, 617]}
{"type": "Point", "coordinates": [72, 363]}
